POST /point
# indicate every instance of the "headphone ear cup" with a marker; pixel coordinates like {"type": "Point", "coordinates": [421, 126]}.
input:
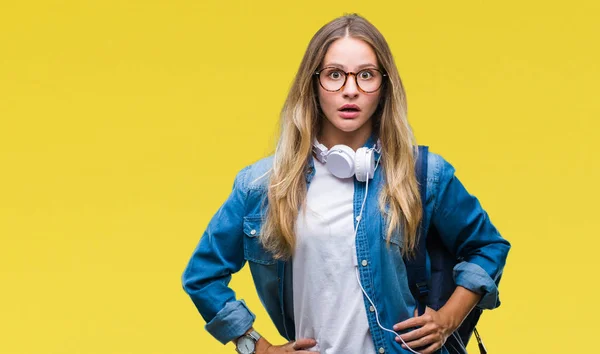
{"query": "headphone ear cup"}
{"type": "Point", "coordinates": [340, 161]}
{"type": "Point", "coordinates": [370, 158]}
{"type": "Point", "coordinates": [365, 164]}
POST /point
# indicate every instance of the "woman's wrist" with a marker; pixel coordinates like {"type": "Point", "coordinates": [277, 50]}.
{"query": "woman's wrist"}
{"type": "Point", "coordinates": [262, 345]}
{"type": "Point", "coordinates": [458, 307]}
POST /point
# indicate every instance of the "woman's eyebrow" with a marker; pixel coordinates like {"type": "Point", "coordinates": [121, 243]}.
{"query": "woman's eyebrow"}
{"type": "Point", "coordinates": [344, 67]}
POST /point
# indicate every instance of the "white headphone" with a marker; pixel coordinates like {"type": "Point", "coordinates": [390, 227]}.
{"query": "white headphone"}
{"type": "Point", "coordinates": [343, 162]}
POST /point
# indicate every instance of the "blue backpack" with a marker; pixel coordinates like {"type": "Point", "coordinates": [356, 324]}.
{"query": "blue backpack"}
{"type": "Point", "coordinates": [435, 291]}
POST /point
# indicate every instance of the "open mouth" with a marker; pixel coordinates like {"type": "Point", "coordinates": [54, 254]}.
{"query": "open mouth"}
{"type": "Point", "coordinates": [349, 112]}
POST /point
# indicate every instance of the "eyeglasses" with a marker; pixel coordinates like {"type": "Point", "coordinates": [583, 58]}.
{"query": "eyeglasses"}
{"type": "Point", "coordinates": [333, 79]}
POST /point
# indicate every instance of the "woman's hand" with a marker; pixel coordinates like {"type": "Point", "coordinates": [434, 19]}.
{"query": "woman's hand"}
{"type": "Point", "coordinates": [435, 327]}
{"type": "Point", "coordinates": [290, 347]}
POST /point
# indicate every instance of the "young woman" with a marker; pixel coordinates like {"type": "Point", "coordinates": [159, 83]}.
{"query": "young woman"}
{"type": "Point", "coordinates": [327, 221]}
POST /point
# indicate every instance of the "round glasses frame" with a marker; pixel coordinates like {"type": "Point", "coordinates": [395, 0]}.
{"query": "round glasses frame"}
{"type": "Point", "coordinates": [346, 75]}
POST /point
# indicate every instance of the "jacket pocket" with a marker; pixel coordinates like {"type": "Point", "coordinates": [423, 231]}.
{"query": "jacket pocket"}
{"type": "Point", "coordinates": [395, 240]}
{"type": "Point", "coordinates": [253, 249]}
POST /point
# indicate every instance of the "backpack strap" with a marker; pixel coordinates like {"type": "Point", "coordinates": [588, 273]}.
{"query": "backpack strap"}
{"type": "Point", "coordinates": [436, 291]}
{"type": "Point", "coordinates": [416, 267]}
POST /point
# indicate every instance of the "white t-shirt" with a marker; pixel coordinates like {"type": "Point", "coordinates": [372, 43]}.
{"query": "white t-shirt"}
{"type": "Point", "coordinates": [328, 302]}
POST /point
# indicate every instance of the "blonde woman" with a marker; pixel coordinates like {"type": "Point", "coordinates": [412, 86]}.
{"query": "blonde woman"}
{"type": "Point", "coordinates": [327, 222]}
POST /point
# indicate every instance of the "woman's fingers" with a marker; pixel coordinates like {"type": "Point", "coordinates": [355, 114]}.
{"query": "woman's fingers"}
{"type": "Point", "coordinates": [414, 334]}
{"type": "Point", "coordinates": [304, 343]}
{"type": "Point", "coordinates": [422, 342]}
{"type": "Point", "coordinates": [431, 349]}
{"type": "Point", "coordinates": [428, 331]}
{"type": "Point", "coordinates": [413, 322]}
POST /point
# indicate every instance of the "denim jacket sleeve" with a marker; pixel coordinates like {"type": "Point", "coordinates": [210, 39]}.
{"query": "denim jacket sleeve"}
{"type": "Point", "coordinates": [218, 255]}
{"type": "Point", "coordinates": [467, 231]}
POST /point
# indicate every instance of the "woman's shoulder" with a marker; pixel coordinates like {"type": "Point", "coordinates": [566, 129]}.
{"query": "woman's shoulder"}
{"type": "Point", "coordinates": [437, 167]}
{"type": "Point", "coordinates": [439, 173]}
{"type": "Point", "coordinates": [256, 175]}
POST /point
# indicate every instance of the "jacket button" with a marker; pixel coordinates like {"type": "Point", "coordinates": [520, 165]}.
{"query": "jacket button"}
{"type": "Point", "coordinates": [381, 350]}
{"type": "Point", "coordinates": [253, 232]}
{"type": "Point", "coordinates": [364, 262]}
{"type": "Point", "coordinates": [371, 308]}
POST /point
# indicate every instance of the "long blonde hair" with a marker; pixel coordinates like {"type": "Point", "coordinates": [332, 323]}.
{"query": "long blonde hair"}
{"type": "Point", "coordinates": [300, 118]}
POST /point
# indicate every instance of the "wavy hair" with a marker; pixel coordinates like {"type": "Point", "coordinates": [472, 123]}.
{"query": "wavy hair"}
{"type": "Point", "coordinates": [300, 119]}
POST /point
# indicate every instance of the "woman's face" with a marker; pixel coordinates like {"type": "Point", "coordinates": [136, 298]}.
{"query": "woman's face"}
{"type": "Point", "coordinates": [349, 55]}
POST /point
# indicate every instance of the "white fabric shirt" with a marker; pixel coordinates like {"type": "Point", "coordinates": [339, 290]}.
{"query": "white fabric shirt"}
{"type": "Point", "coordinates": [328, 302]}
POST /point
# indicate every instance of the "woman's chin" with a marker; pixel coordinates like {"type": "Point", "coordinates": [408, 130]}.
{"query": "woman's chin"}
{"type": "Point", "coordinates": [348, 125]}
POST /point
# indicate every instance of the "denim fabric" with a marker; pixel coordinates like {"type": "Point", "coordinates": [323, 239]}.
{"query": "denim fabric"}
{"type": "Point", "coordinates": [232, 238]}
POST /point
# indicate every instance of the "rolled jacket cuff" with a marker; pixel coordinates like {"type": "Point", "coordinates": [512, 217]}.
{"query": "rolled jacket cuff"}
{"type": "Point", "coordinates": [471, 276]}
{"type": "Point", "coordinates": [231, 322]}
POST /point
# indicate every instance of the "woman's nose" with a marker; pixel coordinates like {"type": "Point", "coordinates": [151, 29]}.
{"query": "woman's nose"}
{"type": "Point", "coordinates": [350, 89]}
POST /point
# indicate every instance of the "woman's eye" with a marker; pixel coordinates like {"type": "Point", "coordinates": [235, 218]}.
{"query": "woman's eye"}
{"type": "Point", "coordinates": [335, 75]}
{"type": "Point", "coordinates": [365, 75]}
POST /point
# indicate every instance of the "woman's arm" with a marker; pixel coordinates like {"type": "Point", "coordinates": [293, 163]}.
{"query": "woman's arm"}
{"type": "Point", "coordinates": [467, 232]}
{"type": "Point", "coordinates": [219, 254]}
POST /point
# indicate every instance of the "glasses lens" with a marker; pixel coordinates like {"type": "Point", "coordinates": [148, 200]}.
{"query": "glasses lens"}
{"type": "Point", "coordinates": [369, 80]}
{"type": "Point", "coordinates": [332, 79]}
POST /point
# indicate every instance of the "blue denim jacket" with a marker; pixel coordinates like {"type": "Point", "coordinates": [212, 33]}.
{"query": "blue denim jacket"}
{"type": "Point", "coordinates": [232, 238]}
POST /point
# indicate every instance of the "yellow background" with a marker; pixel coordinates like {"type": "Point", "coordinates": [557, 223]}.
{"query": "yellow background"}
{"type": "Point", "coordinates": [123, 123]}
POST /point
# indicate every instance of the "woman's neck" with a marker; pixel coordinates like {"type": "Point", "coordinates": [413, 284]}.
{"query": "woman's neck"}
{"type": "Point", "coordinates": [330, 136]}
